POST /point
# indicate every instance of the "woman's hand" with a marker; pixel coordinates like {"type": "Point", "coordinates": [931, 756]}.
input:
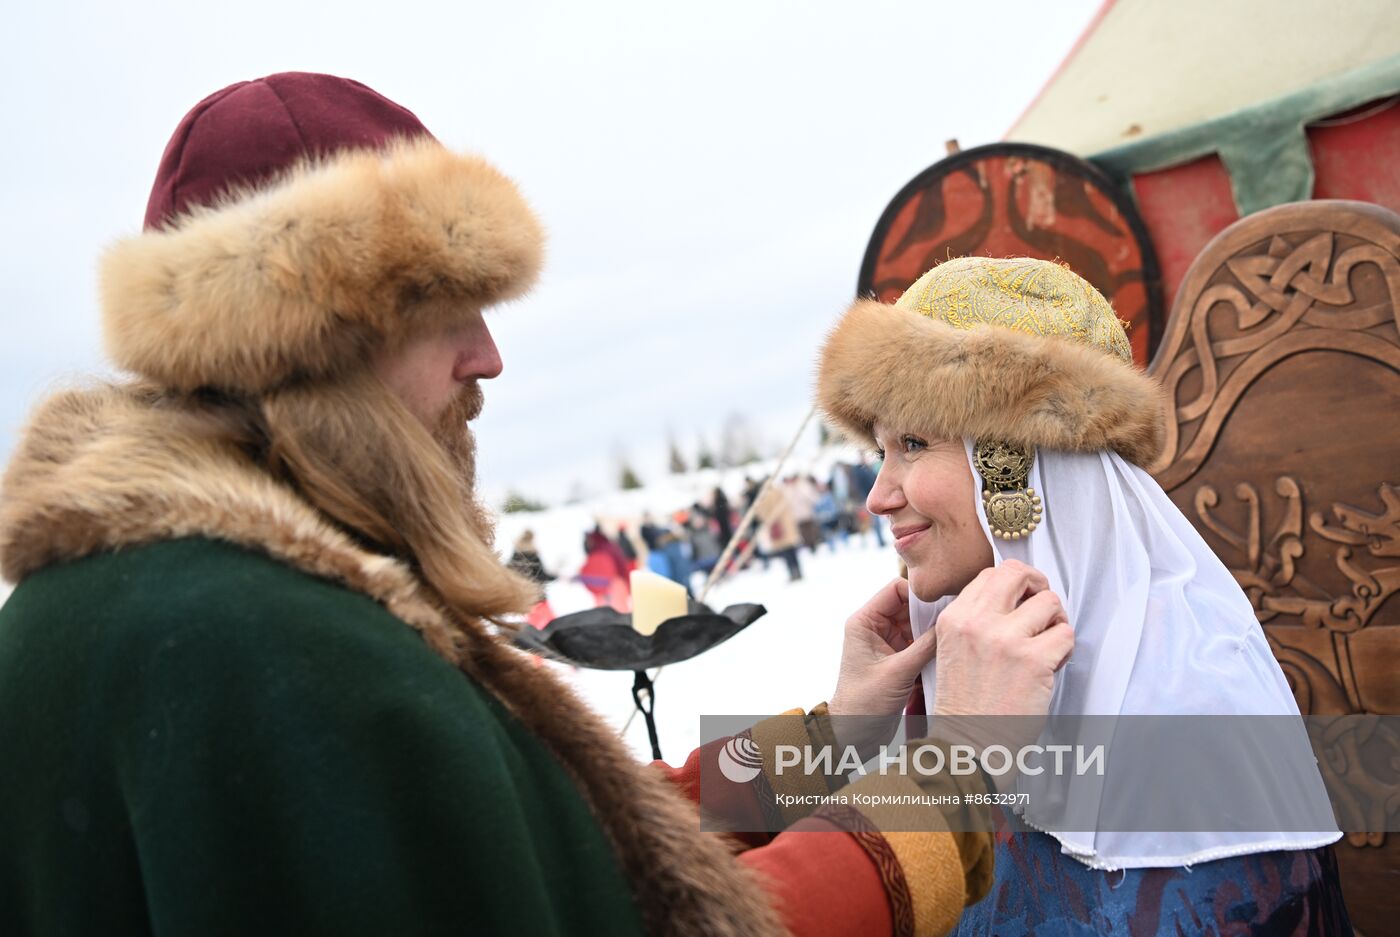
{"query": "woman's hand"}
{"type": "Point", "coordinates": [999, 645]}
{"type": "Point", "coordinates": [880, 658]}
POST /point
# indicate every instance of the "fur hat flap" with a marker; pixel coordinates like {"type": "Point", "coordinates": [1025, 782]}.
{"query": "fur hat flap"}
{"type": "Point", "coordinates": [301, 276]}
{"type": "Point", "coordinates": [893, 365]}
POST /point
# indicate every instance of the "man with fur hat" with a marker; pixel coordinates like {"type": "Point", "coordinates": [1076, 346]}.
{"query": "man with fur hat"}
{"type": "Point", "coordinates": [249, 681]}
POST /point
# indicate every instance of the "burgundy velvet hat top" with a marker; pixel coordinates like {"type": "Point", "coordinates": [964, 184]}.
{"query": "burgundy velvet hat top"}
{"type": "Point", "coordinates": [251, 131]}
{"type": "Point", "coordinates": [298, 222]}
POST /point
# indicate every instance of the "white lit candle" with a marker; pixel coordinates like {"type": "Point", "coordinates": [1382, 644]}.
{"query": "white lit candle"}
{"type": "Point", "coordinates": [654, 600]}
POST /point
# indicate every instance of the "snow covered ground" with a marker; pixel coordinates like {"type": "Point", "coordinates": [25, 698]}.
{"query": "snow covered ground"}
{"type": "Point", "coordinates": [787, 658]}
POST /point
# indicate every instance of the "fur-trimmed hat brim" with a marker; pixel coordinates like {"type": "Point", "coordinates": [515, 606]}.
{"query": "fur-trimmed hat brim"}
{"type": "Point", "coordinates": [908, 371]}
{"type": "Point", "coordinates": [304, 275]}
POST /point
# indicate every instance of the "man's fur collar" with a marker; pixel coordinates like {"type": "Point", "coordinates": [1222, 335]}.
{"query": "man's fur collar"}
{"type": "Point", "coordinates": [111, 468]}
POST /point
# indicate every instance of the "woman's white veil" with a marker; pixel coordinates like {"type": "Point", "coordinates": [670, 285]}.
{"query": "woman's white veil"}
{"type": "Point", "coordinates": [1161, 628]}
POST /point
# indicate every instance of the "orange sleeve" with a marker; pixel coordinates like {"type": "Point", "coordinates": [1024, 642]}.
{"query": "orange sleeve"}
{"type": "Point", "coordinates": [745, 803]}
{"type": "Point", "coordinates": [835, 872]}
{"type": "Point", "coordinates": [751, 806]}
{"type": "Point", "coordinates": [832, 870]}
{"type": "Point", "coordinates": [822, 879]}
{"type": "Point", "coordinates": [827, 883]}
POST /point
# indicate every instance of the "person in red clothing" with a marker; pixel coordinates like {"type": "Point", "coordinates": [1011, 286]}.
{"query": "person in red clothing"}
{"type": "Point", "coordinates": [259, 600]}
{"type": "Point", "coordinates": [604, 572]}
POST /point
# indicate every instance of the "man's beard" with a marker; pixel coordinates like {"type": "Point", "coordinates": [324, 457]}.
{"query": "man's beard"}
{"type": "Point", "coordinates": [453, 433]}
{"type": "Point", "coordinates": [359, 455]}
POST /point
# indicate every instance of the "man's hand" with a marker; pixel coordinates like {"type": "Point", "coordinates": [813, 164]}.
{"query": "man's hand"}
{"type": "Point", "coordinates": [880, 658]}
{"type": "Point", "coordinates": [999, 645]}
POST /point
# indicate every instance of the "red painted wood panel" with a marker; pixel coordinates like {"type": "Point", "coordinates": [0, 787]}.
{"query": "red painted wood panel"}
{"type": "Point", "coordinates": [1183, 208]}
{"type": "Point", "coordinates": [1356, 155]}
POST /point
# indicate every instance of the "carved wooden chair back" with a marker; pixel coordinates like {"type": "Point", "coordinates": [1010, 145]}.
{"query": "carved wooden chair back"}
{"type": "Point", "coordinates": [1282, 363]}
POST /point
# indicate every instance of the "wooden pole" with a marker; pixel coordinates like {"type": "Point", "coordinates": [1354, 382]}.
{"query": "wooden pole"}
{"type": "Point", "coordinates": [717, 572]}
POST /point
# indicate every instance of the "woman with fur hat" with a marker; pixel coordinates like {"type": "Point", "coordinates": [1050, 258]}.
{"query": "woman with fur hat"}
{"type": "Point", "coordinates": [1002, 396]}
{"type": "Point", "coordinates": [251, 678]}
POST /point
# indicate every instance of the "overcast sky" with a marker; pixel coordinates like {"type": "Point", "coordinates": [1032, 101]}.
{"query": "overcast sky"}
{"type": "Point", "coordinates": [708, 173]}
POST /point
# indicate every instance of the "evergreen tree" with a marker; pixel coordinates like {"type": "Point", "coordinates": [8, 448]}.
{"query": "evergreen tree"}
{"type": "Point", "coordinates": [678, 466]}
{"type": "Point", "coordinates": [737, 444]}
{"type": "Point", "coordinates": [517, 503]}
{"type": "Point", "coordinates": [704, 458]}
{"type": "Point", "coordinates": [628, 479]}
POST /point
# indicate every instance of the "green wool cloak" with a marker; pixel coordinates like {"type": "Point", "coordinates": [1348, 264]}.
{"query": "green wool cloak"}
{"type": "Point", "coordinates": [201, 740]}
{"type": "Point", "coordinates": [220, 714]}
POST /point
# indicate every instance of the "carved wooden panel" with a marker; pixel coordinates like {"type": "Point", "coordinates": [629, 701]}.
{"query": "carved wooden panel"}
{"type": "Point", "coordinates": [1282, 362]}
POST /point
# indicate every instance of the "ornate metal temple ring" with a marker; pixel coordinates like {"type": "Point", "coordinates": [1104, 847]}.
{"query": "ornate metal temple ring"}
{"type": "Point", "coordinates": [1013, 510]}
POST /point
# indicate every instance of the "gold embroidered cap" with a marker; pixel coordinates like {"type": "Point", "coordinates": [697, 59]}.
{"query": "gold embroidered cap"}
{"type": "Point", "coordinates": [1017, 349]}
{"type": "Point", "coordinates": [1032, 296]}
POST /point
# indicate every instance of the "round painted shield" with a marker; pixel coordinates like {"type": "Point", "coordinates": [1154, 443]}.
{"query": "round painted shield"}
{"type": "Point", "coordinates": [1021, 200]}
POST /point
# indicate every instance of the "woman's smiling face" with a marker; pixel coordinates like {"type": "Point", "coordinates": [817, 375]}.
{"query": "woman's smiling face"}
{"type": "Point", "coordinates": [926, 490]}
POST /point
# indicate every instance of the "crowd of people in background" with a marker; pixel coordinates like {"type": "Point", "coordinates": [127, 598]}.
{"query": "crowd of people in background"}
{"type": "Point", "coordinates": [797, 512]}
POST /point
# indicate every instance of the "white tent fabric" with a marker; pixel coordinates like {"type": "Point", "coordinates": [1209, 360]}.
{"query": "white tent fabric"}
{"type": "Point", "coordinates": [1144, 67]}
{"type": "Point", "coordinates": [1161, 629]}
